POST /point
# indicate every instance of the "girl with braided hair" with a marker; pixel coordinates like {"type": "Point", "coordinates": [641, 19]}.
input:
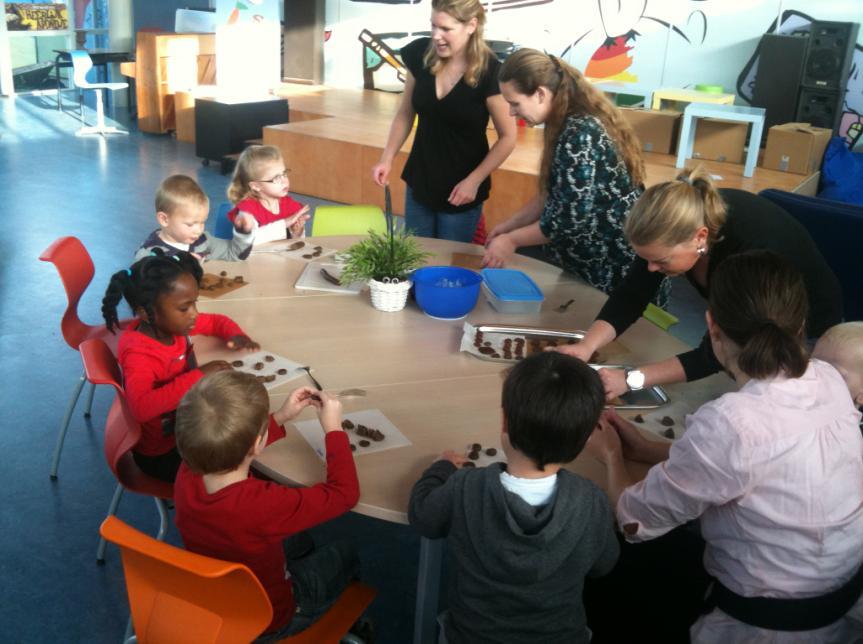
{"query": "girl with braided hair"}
{"type": "Point", "coordinates": [155, 352]}
{"type": "Point", "coordinates": [591, 173]}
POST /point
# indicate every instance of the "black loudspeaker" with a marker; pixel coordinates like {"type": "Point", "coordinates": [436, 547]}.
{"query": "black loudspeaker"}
{"type": "Point", "coordinates": [819, 107]}
{"type": "Point", "coordinates": [777, 81]}
{"type": "Point", "coordinates": [828, 60]}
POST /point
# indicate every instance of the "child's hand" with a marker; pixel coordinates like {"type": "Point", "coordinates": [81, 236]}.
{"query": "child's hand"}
{"type": "Point", "coordinates": [453, 457]}
{"type": "Point", "coordinates": [242, 342]}
{"type": "Point", "coordinates": [297, 227]}
{"type": "Point", "coordinates": [604, 443]}
{"type": "Point", "coordinates": [244, 223]}
{"type": "Point", "coordinates": [214, 366]}
{"type": "Point", "coordinates": [329, 412]}
{"type": "Point", "coordinates": [296, 402]}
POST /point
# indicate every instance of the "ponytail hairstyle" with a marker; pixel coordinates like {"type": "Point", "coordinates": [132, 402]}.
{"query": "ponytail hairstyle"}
{"type": "Point", "coordinates": [670, 213]}
{"type": "Point", "coordinates": [478, 53]}
{"type": "Point", "coordinates": [248, 169]}
{"type": "Point", "coordinates": [759, 302]}
{"type": "Point", "coordinates": [145, 282]}
{"type": "Point", "coordinates": [529, 69]}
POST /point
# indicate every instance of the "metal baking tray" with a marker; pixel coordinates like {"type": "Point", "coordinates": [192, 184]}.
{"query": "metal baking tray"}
{"type": "Point", "coordinates": [647, 398]}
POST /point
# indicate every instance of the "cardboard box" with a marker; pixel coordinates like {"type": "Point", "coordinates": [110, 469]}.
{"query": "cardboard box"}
{"type": "Point", "coordinates": [795, 147]}
{"type": "Point", "coordinates": [717, 140]}
{"type": "Point", "coordinates": [657, 130]}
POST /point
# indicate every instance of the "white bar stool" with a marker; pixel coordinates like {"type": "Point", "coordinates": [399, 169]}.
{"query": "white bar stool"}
{"type": "Point", "coordinates": [738, 113]}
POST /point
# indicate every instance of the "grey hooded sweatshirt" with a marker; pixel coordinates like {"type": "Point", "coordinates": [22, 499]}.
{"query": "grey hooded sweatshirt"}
{"type": "Point", "coordinates": [516, 572]}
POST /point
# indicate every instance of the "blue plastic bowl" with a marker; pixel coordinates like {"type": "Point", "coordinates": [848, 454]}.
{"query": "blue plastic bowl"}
{"type": "Point", "coordinates": [446, 292]}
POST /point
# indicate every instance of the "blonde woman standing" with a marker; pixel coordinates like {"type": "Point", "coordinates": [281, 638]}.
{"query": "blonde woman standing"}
{"type": "Point", "coordinates": [590, 175]}
{"type": "Point", "coordinates": [452, 87]}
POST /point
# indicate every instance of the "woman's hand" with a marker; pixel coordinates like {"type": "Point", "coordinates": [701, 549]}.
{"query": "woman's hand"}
{"type": "Point", "coordinates": [463, 192]}
{"type": "Point", "coordinates": [499, 251]}
{"type": "Point", "coordinates": [296, 402]}
{"type": "Point", "coordinates": [614, 381]}
{"type": "Point", "coordinates": [604, 443]}
{"type": "Point", "coordinates": [242, 342]}
{"type": "Point", "coordinates": [381, 173]}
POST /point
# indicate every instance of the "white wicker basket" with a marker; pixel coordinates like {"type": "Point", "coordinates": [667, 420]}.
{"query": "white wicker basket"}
{"type": "Point", "coordinates": [389, 297]}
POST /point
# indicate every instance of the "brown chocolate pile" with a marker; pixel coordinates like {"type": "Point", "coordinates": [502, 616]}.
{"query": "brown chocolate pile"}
{"type": "Point", "coordinates": [369, 432]}
{"type": "Point", "coordinates": [237, 363]}
{"type": "Point", "coordinates": [346, 424]}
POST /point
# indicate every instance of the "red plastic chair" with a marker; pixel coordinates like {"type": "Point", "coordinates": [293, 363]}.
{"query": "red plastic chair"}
{"type": "Point", "coordinates": [76, 271]}
{"type": "Point", "coordinates": [179, 596]}
{"type": "Point", "coordinates": [122, 433]}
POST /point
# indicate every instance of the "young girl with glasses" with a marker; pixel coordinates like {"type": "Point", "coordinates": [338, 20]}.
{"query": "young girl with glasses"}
{"type": "Point", "coordinates": [259, 188]}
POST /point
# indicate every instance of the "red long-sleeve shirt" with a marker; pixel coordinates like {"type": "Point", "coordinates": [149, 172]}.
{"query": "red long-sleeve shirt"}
{"type": "Point", "coordinates": [246, 522]}
{"type": "Point", "coordinates": [287, 207]}
{"type": "Point", "coordinates": [156, 376]}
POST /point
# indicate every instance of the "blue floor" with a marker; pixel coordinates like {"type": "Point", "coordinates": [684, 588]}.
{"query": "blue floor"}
{"type": "Point", "coordinates": [101, 191]}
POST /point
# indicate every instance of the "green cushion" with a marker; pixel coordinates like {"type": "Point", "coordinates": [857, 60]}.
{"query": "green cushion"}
{"type": "Point", "coordinates": [347, 220]}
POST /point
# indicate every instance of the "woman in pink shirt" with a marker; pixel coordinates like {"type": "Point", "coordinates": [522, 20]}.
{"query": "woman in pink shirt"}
{"type": "Point", "coordinates": [774, 471]}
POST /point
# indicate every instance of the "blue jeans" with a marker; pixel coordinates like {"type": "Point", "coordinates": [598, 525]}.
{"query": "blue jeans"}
{"type": "Point", "coordinates": [423, 221]}
{"type": "Point", "coordinates": [318, 579]}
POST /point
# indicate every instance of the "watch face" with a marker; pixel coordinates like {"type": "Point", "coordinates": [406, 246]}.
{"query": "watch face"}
{"type": "Point", "coordinates": [635, 379]}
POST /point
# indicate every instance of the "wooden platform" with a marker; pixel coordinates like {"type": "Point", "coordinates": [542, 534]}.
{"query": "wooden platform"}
{"type": "Point", "coordinates": [336, 135]}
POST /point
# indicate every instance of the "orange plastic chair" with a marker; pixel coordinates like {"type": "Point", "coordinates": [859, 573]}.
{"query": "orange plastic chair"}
{"type": "Point", "coordinates": [179, 596]}
{"type": "Point", "coordinates": [122, 433]}
{"type": "Point", "coordinates": [75, 266]}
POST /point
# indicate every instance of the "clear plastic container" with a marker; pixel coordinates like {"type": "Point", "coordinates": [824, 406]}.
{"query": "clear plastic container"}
{"type": "Point", "coordinates": [511, 291]}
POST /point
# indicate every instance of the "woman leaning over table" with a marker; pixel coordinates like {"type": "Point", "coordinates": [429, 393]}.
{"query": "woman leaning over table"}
{"type": "Point", "coordinates": [590, 174]}
{"type": "Point", "coordinates": [774, 470]}
{"type": "Point", "coordinates": [689, 227]}
{"type": "Point", "coordinates": [452, 87]}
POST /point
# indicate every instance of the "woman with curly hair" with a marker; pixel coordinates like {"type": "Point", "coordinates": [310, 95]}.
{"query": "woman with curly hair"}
{"type": "Point", "coordinates": [591, 172]}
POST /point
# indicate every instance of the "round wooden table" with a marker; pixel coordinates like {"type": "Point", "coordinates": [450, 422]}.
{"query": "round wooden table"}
{"type": "Point", "coordinates": [412, 370]}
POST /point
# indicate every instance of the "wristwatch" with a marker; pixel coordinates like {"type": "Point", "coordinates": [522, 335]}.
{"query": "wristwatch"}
{"type": "Point", "coordinates": [634, 379]}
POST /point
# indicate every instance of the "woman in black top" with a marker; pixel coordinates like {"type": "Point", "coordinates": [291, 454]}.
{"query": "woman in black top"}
{"type": "Point", "coordinates": [688, 227]}
{"type": "Point", "coordinates": [452, 86]}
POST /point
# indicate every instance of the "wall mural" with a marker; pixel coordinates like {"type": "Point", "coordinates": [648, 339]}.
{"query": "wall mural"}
{"type": "Point", "coordinates": [652, 42]}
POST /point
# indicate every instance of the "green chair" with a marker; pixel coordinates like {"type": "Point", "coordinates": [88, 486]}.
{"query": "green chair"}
{"type": "Point", "coordinates": [660, 317]}
{"type": "Point", "coordinates": [347, 220]}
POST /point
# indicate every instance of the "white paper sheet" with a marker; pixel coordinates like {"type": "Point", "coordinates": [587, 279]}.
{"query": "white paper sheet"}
{"type": "Point", "coordinates": [270, 367]}
{"type": "Point", "coordinates": [371, 418]}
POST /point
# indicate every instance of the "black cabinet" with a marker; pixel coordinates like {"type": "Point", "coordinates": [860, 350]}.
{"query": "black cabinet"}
{"type": "Point", "coordinates": [223, 126]}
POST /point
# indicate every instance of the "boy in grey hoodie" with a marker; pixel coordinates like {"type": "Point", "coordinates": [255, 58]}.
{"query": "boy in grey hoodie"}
{"type": "Point", "coordinates": [523, 536]}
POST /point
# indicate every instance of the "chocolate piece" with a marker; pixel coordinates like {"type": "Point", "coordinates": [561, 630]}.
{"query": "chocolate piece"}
{"type": "Point", "coordinates": [486, 344]}
{"type": "Point", "coordinates": [270, 377]}
{"type": "Point", "coordinates": [346, 424]}
{"type": "Point", "coordinates": [495, 355]}
{"type": "Point", "coordinates": [376, 435]}
{"type": "Point", "coordinates": [238, 279]}
{"type": "Point", "coordinates": [224, 273]}
{"type": "Point", "coordinates": [486, 351]}
{"type": "Point", "coordinates": [319, 248]}
{"type": "Point", "coordinates": [308, 256]}
{"type": "Point", "coordinates": [353, 447]}
{"type": "Point", "coordinates": [296, 245]}
{"type": "Point", "coordinates": [475, 447]}
{"type": "Point", "coordinates": [468, 464]}
{"type": "Point", "coordinates": [491, 451]}
{"type": "Point", "coordinates": [237, 363]}
{"type": "Point", "coordinates": [269, 358]}
{"type": "Point", "coordinates": [668, 433]}
{"type": "Point", "coordinates": [282, 372]}
{"type": "Point", "coordinates": [258, 366]}
{"type": "Point", "coordinates": [261, 378]}
{"type": "Point", "coordinates": [362, 430]}
{"type": "Point", "coordinates": [638, 418]}
{"type": "Point", "coordinates": [473, 456]}
{"type": "Point", "coordinates": [668, 421]}
{"type": "Point", "coordinates": [364, 443]}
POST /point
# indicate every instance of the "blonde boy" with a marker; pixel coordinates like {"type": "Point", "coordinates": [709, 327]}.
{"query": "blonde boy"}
{"type": "Point", "coordinates": [181, 210]}
{"type": "Point", "coordinates": [842, 346]}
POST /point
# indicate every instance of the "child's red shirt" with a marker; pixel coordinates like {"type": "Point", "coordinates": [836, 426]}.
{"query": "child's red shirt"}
{"type": "Point", "coordinates": [247, 521]}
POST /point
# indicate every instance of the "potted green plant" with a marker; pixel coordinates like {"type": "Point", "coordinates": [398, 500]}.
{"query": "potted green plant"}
{"type": "Point", "coordinates": [384, 261]}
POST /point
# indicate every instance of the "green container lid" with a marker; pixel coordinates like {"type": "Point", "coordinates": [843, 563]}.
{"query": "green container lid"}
{"type": "Point", "coordinates": [710, 89]}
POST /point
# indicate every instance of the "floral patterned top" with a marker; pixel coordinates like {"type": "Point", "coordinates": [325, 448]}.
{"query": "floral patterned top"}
{"type": "Point", "coordinates": [589, 194]}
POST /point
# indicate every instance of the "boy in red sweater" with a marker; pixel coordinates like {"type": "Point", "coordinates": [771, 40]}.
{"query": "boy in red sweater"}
{"type": "Point", "coordinates": [222, 425]}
